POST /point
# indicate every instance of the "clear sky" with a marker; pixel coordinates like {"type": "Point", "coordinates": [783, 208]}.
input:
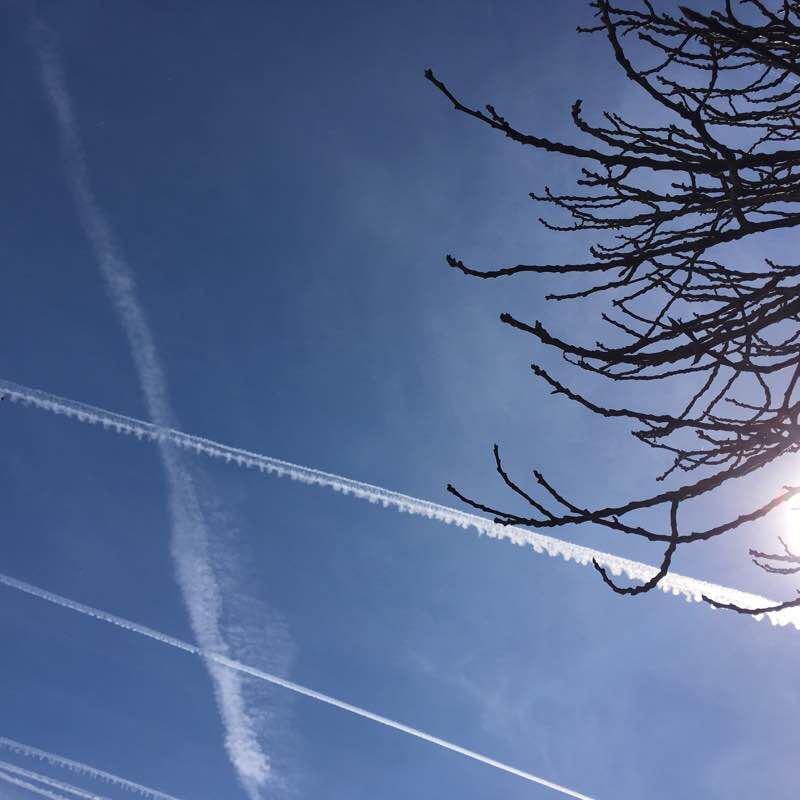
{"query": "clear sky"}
{"type": "Point", "coordinates": [284, 185]}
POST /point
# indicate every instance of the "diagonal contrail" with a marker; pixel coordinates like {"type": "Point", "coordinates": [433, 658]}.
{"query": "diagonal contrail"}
{"type": "Point", "coordinates": [30, 787]}
{"type": "Point", "coordinates": [691, 589]}
{"type": "Point", "coordinates": [195, 572]}
{"type": "Point", "coordinates": [82, 769]}
{"type": "Point", "coordinates": [236, 666]}
{"type": "Point", "coordinates": [28, 774]}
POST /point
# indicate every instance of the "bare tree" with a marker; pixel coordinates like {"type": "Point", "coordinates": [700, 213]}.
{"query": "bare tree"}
{"type": "Point", "coordinates": [668, 198]}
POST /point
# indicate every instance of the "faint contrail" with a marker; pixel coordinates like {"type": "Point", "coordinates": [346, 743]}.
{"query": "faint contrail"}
{"type": "Point", "coordinates": [82, 769]}
{"type": "Point", "coordinates": [40, 790]}
{"type": "Point", "coordinates": [690, 589]}
{"type": "Point", "coordinates": [190, 538]}
{"type": "Point", "coordinates": [237, 666]}
{"type": "Point", "coordinates": [8, 767]}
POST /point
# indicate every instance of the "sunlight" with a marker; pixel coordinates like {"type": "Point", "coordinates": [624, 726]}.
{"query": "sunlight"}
{"type": "Point", "coordinates": [791, 527]}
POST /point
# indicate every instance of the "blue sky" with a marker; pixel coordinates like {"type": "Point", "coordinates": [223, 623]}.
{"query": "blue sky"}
{"type": "Point", "coordinates": [284, 185]}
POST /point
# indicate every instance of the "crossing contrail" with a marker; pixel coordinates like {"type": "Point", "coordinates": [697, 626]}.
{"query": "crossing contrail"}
{"type": "Point", "coordinates": [7, 767]}
{"type": "Point", "coordinates": [82, 769]}
{"type": "Point", "coordinates": [237, 666]}
{"type": "Point", "coordinates": [691, 589]}
{"type": "Point", "coordinates": [195, 572]}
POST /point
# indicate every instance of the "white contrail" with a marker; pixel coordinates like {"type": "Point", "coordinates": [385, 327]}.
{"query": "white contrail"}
{"type": "Point", "coordinates": [40, 790]}
{"type": "Point", "coordinates": [190, 537]}
{"type": "Point", "coordinates": [236, 666]}
{"type": "Point", "coordinates": [82, 769]}
{"type": "Point", "coordinates": [7, 767]}
{"type": "Point", "coordinates": [690, 589]}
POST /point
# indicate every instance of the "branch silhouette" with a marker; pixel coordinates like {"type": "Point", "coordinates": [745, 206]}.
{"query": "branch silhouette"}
{"type": "Point", "coordinates": [663, 199]}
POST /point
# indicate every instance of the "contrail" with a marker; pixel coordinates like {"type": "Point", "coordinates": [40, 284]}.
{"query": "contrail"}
{"type": "Point", "coordinates": [82, 769]}
{"type": "Point", "coordinates": [190, 536]}
{"type": "Point", "coordinates": [40, 790]}
{"type": "Point", "coordinates": [690, 589]}
{"type": "Point", "coordinates": [237, 666]}
{"type": "Point", "coordinates": [7, 767]}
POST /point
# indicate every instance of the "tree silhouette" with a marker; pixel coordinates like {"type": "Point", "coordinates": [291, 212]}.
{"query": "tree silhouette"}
{"type": "Point", "coordinates": [667, 197]}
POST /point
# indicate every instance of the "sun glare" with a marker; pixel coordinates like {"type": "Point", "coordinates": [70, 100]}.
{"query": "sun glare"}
{"type": "Point", "coordinates": [791, 526]}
